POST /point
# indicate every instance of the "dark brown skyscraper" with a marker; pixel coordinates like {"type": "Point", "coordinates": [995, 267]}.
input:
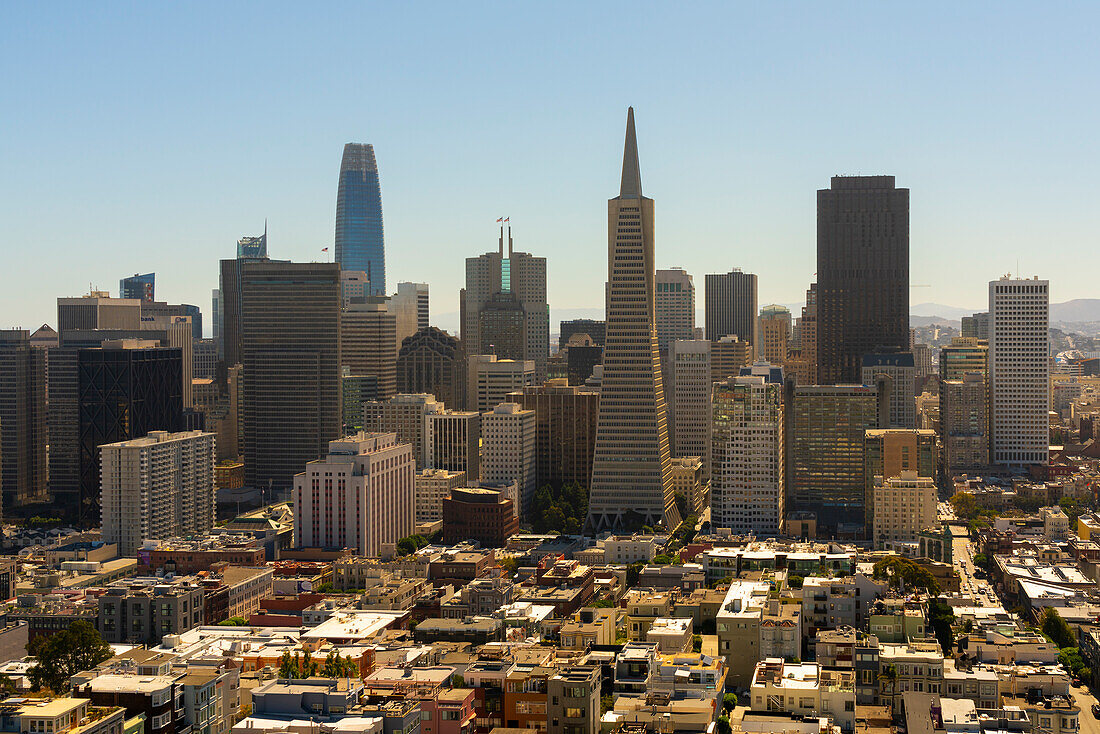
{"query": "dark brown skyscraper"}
{"type": "Point", "coordinates": [862, 273]}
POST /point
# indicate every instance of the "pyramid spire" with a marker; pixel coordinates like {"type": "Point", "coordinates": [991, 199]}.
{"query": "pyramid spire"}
{"type": "Point", "coordinates": [631, 186]}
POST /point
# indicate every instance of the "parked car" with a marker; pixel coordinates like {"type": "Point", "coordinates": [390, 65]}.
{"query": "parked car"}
{"type": "Point", "coordinates": [1096, 710]}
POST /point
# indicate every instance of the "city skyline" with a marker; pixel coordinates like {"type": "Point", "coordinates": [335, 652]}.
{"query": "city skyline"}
{"type": "Point", "coordinates": [989, 190]}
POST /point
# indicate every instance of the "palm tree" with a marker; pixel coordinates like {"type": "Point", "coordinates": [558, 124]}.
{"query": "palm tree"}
{"type": "Point", "coordinates": [889, 675]}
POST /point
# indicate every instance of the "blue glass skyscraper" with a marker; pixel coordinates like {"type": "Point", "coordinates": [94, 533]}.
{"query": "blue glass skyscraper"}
{"type": "Point", "coordinates": [359, 242]}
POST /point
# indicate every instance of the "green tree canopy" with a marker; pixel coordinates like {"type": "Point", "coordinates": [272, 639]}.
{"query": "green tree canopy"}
{"type": "Point", "coordinates": [941, 618]}
{"type": "Point", "coordinates": [64, 654]}
{"type": "Point", "coordinates": [560, 508]}
{"type": "Point", "coordinates": [902, 573]}
{"type": "Point", "coordinates": [1057, 629]}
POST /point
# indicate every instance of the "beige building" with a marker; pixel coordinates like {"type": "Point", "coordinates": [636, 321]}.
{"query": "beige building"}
{"type": "Point", "coordinates": [491, 379]}
{"type": "Point", "coordinates": [687, 480]}
{"type": "Point", "coordinates": [691, 381]}
{"type": "Point", "coordinates": [508, 452]}
{"type": "Point", "coordinates": [806, 689]}
{"type": "Point", "coordinates": [674, 307]}
{"type": "Point", "coordinates": [404, 415]}
{"type": "Point", "coordinates": [775, 334]}
{"type": "Point", "coordinates": [903, 507]}
{"type": "Point", "coordinates": [672, 634]}
{"type": "Point", "coordinates": [727, 356]}
{"type": "Point", "coordinates": [753, 624]}
{"type": "Point", "coordinates": [964, 423]}
{"type": "Point", "coordinates": [452, 441]}
{"type": "Point", "coordinates": [368, 344]}
{"type": "Point", "coordinates": [432, 487]}
{"type": "Point", "coordinates": [157, 487]}
{"type": "Point", "coordinates": [361, 496]}
{"type": "Point", "coordinates": [643, 608]}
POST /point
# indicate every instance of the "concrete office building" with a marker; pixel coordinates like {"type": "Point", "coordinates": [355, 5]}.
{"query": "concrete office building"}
{"type": "Point", "coordinates": [23, 436]}
{"type": "Point", "coordinates": [485, 516]}
{"type": "Point", "coordinates": [452, 441]}
{"type": "Point", "coordinates": [964, 424]}
{"type": "Point", "coordinates": [901, 371]}
{"type": "Point", "coordinates": [565, 431]}
{"type": "Point", "coordinates": [748, 469]}
{"type": "Point", "coordinates": [1019, 371]}
{"type": "Point", "coordinates": [368, 344]}
{"type": "Point", "coordinates": [489, 380]}
{"type": "Point", "coordinates": [520, 315]}
{"type": "Point", "coordinates": [976, 326]}
{"type": "Point", "coordinates": [432, 361]}
{"type": "Point", "coordinates": [774, 328]}
{"type": "Point", "coordinates": [228, 330]}
{"type": "Point", "coordinates": [404, 415]}
{"type": "Point", "coordinates": [354, 286]}
{"type": "Point", "coordinates": [290, 349]}
{"type": "Point", "coordinates": [98, 311]}
{"type": "Point", "coordinates": [963, 355]}
{"type": "Point", "coordinates": [432, 487]}
{"type": "Point", "coordinates": [410, 306]}
{"type": "Point", "coordinates": [674, 307]}
{"type": "Point", "coordinates": [727, 356]}
{"type": "Point", "coordinates": [731, 306]}
{"type": "Point", "coordinates": [862, 273]}
{"type": "Point", "coordinates": [361, 495]}
{"type": "Point", "coordinates": [122, 390]}
{"type": "Point", "coordinates": [903, 506]}
{"type": "Point", "coordinates": [509, 453]}
{"type": "Point", "coordinates": [631, 482]}
{"type": "Point", "coordinates": [807, 339]}
{"type": "Point", "coordinates": [157, 487]}
{"type": "Point", "coordinates": [691, 388]}
{"type": "Point", "coordinates": [825, 428]}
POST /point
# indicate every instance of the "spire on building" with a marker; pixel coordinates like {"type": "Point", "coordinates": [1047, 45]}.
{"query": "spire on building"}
{"type": "Point", "coordinates": [631, 186]}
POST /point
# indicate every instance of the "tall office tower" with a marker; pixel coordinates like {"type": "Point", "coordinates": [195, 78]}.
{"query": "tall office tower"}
{"type": "Point", "coordinates": [964, 424]}
{"type": "Point", "coordinates": [890, 452]}
{"type": "Point", "coordinates": [976, 326]}
{"type": "Point", "coordinates": [290, 351]}
{"type": "Point", "coordinates": [565, 431]}
{"type": "Point", "coordinates": [1019, 370]}
{"type": "Point", "coordinates": [216, 317]}
{"type": "Point", "coordinates": [727, 356]}
{"type": "Point", "coordinates": [631, 480]}
{"type": "Point", "coordinates": [229, 296]}
{"type": "Point", "coordinates": [432, 487]}
{"type": "Point", "coordinates": [157, 487]}
{"type": "Point", "coordinates": [204, 358]}
{"type": "Point", "coordinates": [774, 328]}
{"type": "Point", "coordinates": [826, 427]}
{"type": "Point", "coordinates": [504, 305]}
{"type": "Point", "coordinates": [368, 345]}
{"type": "Point", "coordinates": [452, 440]}
{"type": "Point", "coordinates": [359, 238]}
{"type": "Point", "coordinates": [22, 420]}
{"type": "Point", "coordinates": [597, 330]}
{"type": "Point", "coordinates": [431, 361]}
{"type": "Point", "coordinates": [731, 306]}
{"type": "Point", "coordinates": [748, 471]}
{"type": "Point", "coordinates": [98, 311]}
{"type": "Point", "coordinates": [122, 390]}
{"type": "Point", "coordinates": [922, 360]}
{"type": "Point", "coordinates": [899, 367]}
{"type": "Point", "coordinates": [44, 337]}
{"type": "Point", "coordinates": [964, 354]}
{"type": "Point", "coordinates": [508, 451]}
{"type": "Point", "coordinates": [691, 393]}
{"type": "Point", "coordinates": [808, 337]}
{"type": "Point", "coordinates": [410, 305]}
{"type": "Point", "coordinates": [489, 380]}
{"type": "Point", "coordinates": [862, 273]}
{"type": "Point", "coordinates": [141, 287]}
{"type": "Point", "coordinates": [404, 415]}
{"type": "Point", "coordinates": [674, 307]}
{"type": "Point", "coordinates": [361, 495]}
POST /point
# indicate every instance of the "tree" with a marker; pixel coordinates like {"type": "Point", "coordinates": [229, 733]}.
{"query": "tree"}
{"type": "Point", "coordinates": [964, 505]}
{"type": "Point", "coordinates": [562, 508]}
{"type": "Point", "coordinates": [337, 666]}
{"type": "Point", "coordinates": [1057, 629]}
{"type": "Point", "coordinates": [980, 560]}
{"type": "Point", "coordinates": [602, 604]}
{"type": "Point", "coordinates": [942, 619]}
{"type": "Point", "coordinates": [729, 702]}
{"type": "Point", "coordinates": [723, 725]}
{"type": "Point", "coordinates": [234, 622]}
{"type": "Point", "coordinates": [296, 666]}
{"type": "Point", "coordinates": [795, 582]}
{"type": "Point", "coordinates": [606, 703]}
{"type": "Point", "coordinates": [410, 544]}
{"type": "Point", "coordinates": [902, 572]}
{"type": "Point", "coordinates": [633, 573]}
{"type": "Point", "coordinates": [64, 654]}
{"type": "Point", "coordinates": [696, 643]}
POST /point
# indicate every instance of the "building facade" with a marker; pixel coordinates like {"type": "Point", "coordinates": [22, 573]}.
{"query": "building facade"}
{"type": "Point", "coordinates": [1019, 371]}
{"type": "Point", "coordinates": [748, 463]}
{"type": "Point", "coordinates": [900, 368]}
{"type": "Point", "coordinates": [775, 334]}
{"type": "Point", "coordinates": [157, 487]}
{"type": "Point", "coordinates": [691, 399]}
{"type": "Point", "coordinates": [509, 453]}
{"type": "Point", "coordinates": [674, 307]}
{"type": "Point", "coordinates": [631, 481]}
{"type": "Point", "coordinates": [731, 306]}
{"type": "Point", "coordinates": [862, 273]}
{"type": "Point", "coordinates": [903, 506]}
{"type": "Point", "coordinates": [360, 243]}
{"type": "Point", "coordinates": [491, 379]}
{"type": "Point", "coordinates": [452, 441]}
{"type": "Point", "coordinates": [368, 345]}
{"type": "Point", "coordinates": [565, 431]}
{"type": "Point", "coordinates": [432, 361]}
{"type": "Point", "coordinates": [964, 424]}
{"type": "Point", "coordinates": [23, 436]}
{"type": "Point", "coordinates": [362, 495]}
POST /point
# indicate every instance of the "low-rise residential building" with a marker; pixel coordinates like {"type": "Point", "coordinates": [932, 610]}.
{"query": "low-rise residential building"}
{"type": "Point", "coordinates": [60, 716]}
{"type": "Point", "coordinates": [643, 606]}
{"type": "Point", "coordinates": [573, 701]}
{"type": "Point", "coordinates": [588, 627]}
{"type": "Point", "coordinates": [145, 609]}
{"type": "Point", "coordinates": [805, 688]}
{"type": "Point", "coordinates": [672, 634]}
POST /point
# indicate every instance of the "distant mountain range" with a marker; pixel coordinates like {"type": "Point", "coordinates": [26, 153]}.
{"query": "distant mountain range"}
{"type": "Point", "coordinates": [1079, 310]}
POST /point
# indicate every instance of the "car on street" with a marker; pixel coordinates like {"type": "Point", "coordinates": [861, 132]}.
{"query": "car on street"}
{"type": "Point", "coordinates": [1096, 710]}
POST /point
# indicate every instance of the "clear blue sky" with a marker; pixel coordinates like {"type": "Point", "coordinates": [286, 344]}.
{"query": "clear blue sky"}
{"type": "Point", "coordinates": [150, 136]}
